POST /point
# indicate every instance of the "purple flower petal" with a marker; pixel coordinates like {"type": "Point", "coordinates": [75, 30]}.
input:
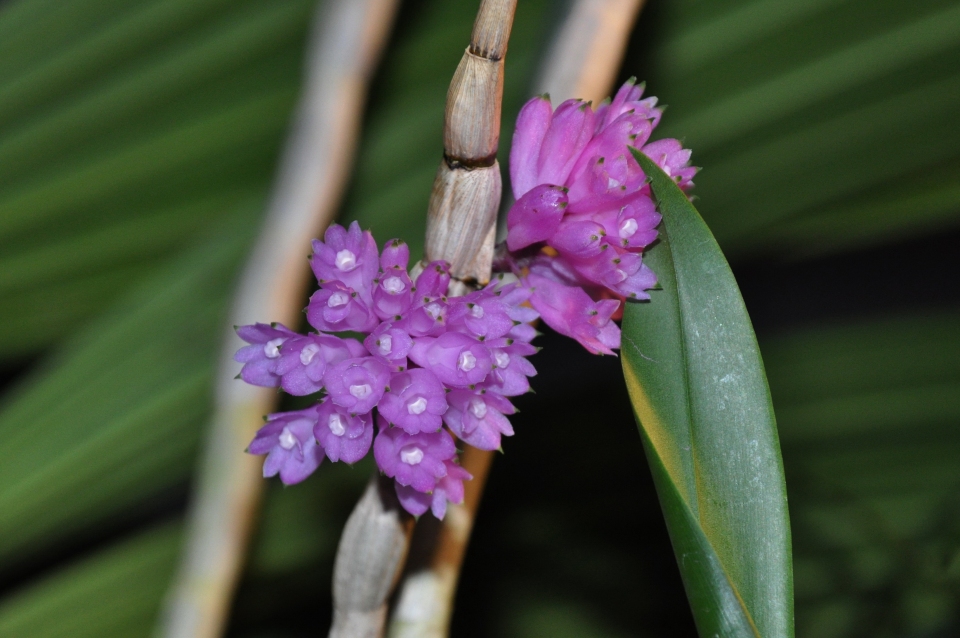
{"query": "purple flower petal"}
{"type": "Point", "coordinates": [532, 124]}
{"type": "Point", "coordinates": [261, 357]}
{"type": "Point", "coordinates": [287, 440]}
{"type": "Point", "coordinates": [416, 460]}
{"type": "Point", "coordinates": [570, 311]}
{"type": "Point", "coordinates": [356, 384]}
{"type": "Point", "coordinates": [478, 419]}
{"type": "Point", "coordinates": [455, 358]}
{"type": "Point", "coordinates": [415, 403]}
{"type": "Point", "coordinates": [535, 216]}
{"type": "Point", "coordinates": [344, 437]}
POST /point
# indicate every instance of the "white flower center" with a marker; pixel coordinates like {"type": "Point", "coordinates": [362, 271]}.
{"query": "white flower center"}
{"type": "Point", "coordinates": [338, 299]}
{"type": "Point", "coordinates": [478, 408]}
{"type": "Point", "coordinates": [476, 311]}
{"type": "Point", "coordinates": [612, 183]}
{"type": "Point", "coordinates": [502, 359]}
{"type": "Point", "coordinates": [394, 285]}
{"type": "Point", "coordinates": [308, 353]}
{"type": "Point", "coordinates": [346, 260]}
{"type": "Point", "coordinates": [385, 344]}
{"type": "Point", "coordinates": [287, 440]}
{"type": "Point", "coordinates": [628, 228]}
{"type": "Point", "coordinates": [418, 406]}
{"type": "Point", "coordinates": [335, 423]}
{"type": "Point", "coordinates": [434, 310]}
{"type": "Point", "coordinates": [361, 390]}
{"type": "Point", "coordinates": [411, 455]}
{"type": "Point", "coordinates": [467, 361]}
{"type": "Point", "coordinates": [271, 349]}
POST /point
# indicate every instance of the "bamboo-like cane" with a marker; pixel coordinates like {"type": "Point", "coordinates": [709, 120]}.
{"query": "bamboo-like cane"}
{"type": "Point", "coordinates": [582, 61]}
{"type": "Point", "coordinates": [461, 223]}
{"type": "Point", "coordinates": [346, 41]}
{"type": "Point", "coordinates": [462, 215]}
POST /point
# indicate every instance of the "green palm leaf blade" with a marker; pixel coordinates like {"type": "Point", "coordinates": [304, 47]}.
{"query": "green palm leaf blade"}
{"type": "Point", "coordinates": [778, 95]}
{"type": "Point", "coordinates": [868, 414]}
{"type": "Point", "coordinates": [115, 592]}
{"type": "Point", "coordinates": [696, 380]}
{"type": "Point", "coordinates": [124, 135]}
{"type": "Point", "coordinates": [117, 416]}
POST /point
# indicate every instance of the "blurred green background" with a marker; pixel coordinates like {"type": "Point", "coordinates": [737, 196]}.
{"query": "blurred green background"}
{"type": "Point", "coordinates": [137, 147]}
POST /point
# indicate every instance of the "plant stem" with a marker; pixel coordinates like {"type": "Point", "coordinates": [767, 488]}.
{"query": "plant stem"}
{"type": "Point", "coordinates": [372, 550]}
{"type": "Point", "coordinates": [583, 61]}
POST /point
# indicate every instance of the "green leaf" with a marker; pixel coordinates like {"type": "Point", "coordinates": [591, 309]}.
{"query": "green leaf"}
{"type": "Point", "coordinates": [128, 127]}
{"type": "Point", "coordinates": [116, 416]}
{"type": "Point", "coordinates": [697, 384]}
{"type": "Point", "coordinates": [776, 95]}
{"type": "Point", "coordinates": [113, 592]}
{"type": "Point", "coordinates": [868, 412]}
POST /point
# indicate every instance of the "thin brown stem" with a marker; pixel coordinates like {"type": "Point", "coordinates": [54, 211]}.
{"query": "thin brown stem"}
{"type": "Point", "coordinates": [347, 38]}
{"type": "Point", "coordinates": [425, 601]}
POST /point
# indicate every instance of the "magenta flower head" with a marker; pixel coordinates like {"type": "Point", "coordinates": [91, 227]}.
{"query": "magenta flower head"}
{"type": "Point", "coordinates": [478, 418]}
{"type": "Point", "coordinates": [571, 312]}
{"type": "Point", "coordinates": [389, 345]}
{"type": "Point", "coordinates": [433, 281]}
{"type": "Point", "coordinates": [415, 401]}
{"type": "Point", "coordinates": [536, 216]}
{"type": "Point", "coordinates": [455, 358]}
{"type": "Point", "coordinates": [511, 369]}
{"type": "Point", "coordinates": [575, 147]}
{"type": "Point", "coordinates": [449, 489]}
{"type": "Point", "coordinates": [343, 436]}
{"type": "Point", "coordinates": [481, 314]}
{"type": "Point", "coordinates": [338, 308]}
{"type": "Point", "coordinates": [584, 205]}
{"type": "Point", "coordinates": [287, 440]}
{"type": "Point", "coordinates": [396, 254]}
{"type": "Point", "coordinates": [348, 256]}
{"type": "Point", "coordinates": [415, 460]}
{"type": "Point", "coordinates": [426, 319]}
{"type": "Point", "coordinates": [261, 357]}
{"type": "Point", "coordinates": [356, 384]}
{"type": "Point", "coordinates": [303, 360]}
{"type": "Point", "coordinates": [393, 293]}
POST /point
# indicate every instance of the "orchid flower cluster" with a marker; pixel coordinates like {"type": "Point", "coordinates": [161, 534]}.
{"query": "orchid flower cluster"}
{"type": "Point", "coordinates": [584, 211]}
{"type": "Point", "coordinates": [403, 368]}
{"type": "Point", "coordinates": [426, 361]}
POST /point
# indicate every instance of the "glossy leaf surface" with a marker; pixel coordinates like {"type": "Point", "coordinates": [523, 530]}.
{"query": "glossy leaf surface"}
{"type": "Point", "coordinates": [698, 387]}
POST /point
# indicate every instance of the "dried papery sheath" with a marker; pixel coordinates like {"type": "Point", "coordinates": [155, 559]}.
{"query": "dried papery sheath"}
{"type": "Point", "coordinates": [461, 216]}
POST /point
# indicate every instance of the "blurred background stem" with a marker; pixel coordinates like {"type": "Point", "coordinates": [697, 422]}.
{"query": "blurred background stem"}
{"type": "Point", "coordinates": [347, 39]}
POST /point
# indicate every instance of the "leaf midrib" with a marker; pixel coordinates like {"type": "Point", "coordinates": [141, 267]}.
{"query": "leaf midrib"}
{"type": "Point", "coordinates": [684, 334]}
